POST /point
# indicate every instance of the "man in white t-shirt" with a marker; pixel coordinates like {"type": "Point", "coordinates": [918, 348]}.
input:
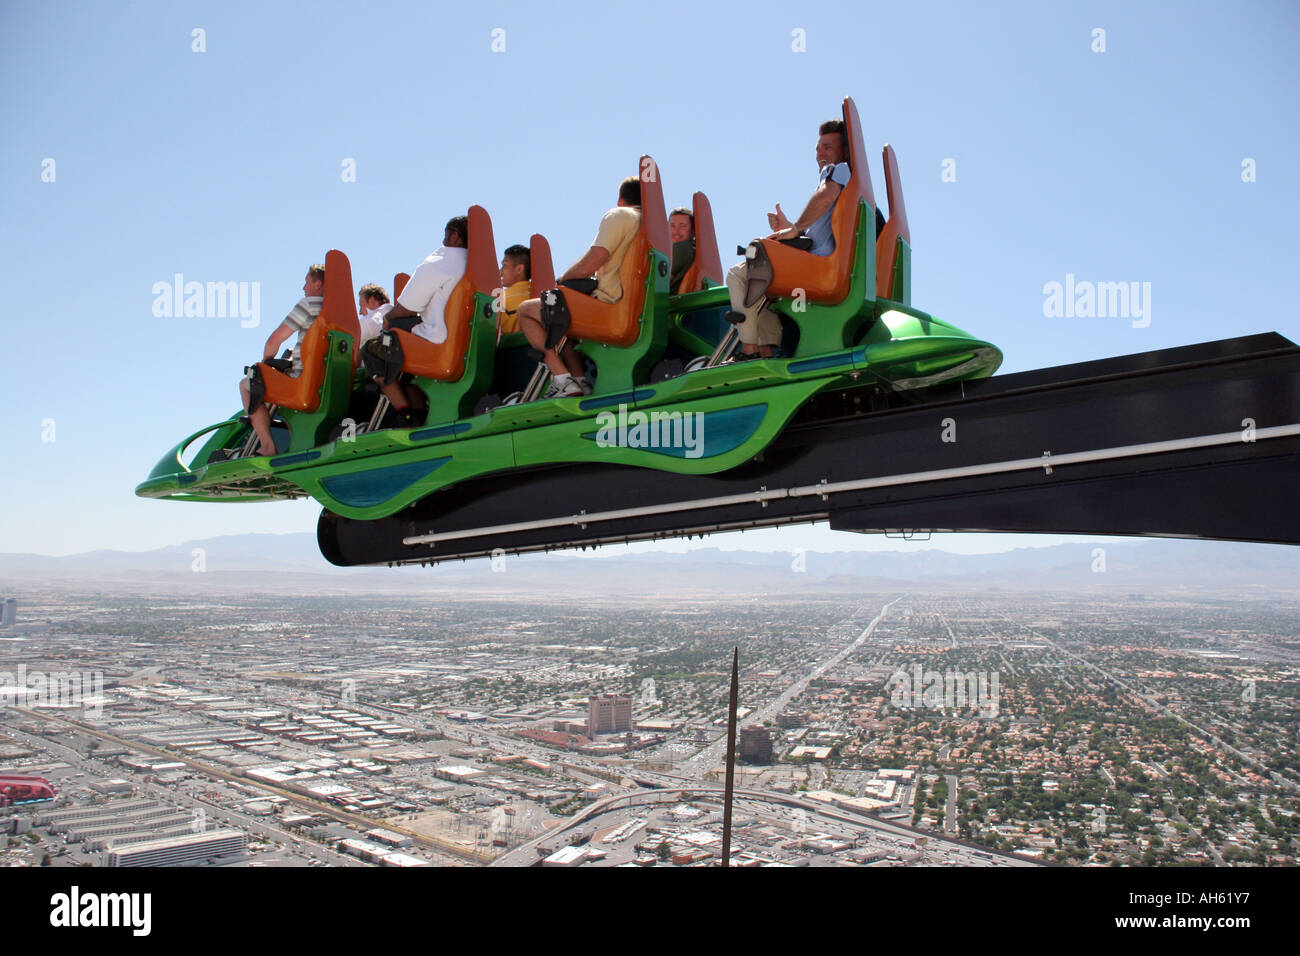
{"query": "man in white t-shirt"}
{"type": "Point", "coordinates": [430, 286]}
{"type": "Point", "coordinates": [426, 296]}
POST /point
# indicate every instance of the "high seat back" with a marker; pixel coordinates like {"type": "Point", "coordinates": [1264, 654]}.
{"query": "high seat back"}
{"type": "Point", "coordinates": [399, 283]}
{"type": "Point", "coordinates": [445, 361]}
{"type": "Point", "coordinates": [540, 265]}
{"type": "Point", "coordinates": [707, 264]}
{"type": "Point", "coordinates": [895, 241]}
{"type": "Point", "coordinates": [827, 278]}
{"type": "Point", "coordinates": [338, 313]}
{"type": "Point", "coordinates": [619, 323]}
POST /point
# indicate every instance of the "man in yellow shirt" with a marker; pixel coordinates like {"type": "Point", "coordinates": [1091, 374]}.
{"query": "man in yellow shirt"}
{"type": "Point", "coordinates": [516, 275]}
{"type": "Point", "coordinates": [617, 229]}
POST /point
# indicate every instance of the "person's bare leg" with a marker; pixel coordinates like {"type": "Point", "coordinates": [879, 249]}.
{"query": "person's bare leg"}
{"type": "Point", "coordinates": [400, 399]}
{"type": "Point", "coordinates": [416, 398]}
{"type": "Point", "coordinates": [395, 394]}
{"type": "Point", "coordinates": [530, 323]}
{"type": "Point", "coordinates": [260, 419]}
{"type": "Point", "coordinates": [572, 361]}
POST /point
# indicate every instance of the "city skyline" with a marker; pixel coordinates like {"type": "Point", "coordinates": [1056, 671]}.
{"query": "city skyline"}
{"type": "Point", "coordinates": [1004, 729]}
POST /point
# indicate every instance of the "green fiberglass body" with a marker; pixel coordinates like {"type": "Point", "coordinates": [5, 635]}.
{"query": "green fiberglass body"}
{"type": "Point", "coordinates": [663, 397]}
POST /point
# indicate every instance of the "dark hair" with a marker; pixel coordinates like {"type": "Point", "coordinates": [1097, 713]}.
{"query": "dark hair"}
{"type": "Point", "coordinates": [629, 190]}
{"type": "Point", "coordinates": [835, 126]}
{"type": "Point", "coordinates": [373, 291]}
{"type": "Point", "coordinates": [460, 226]}
{"type": "Point", "coordinates": [520, 255]}
{"type": "Point", "coordinates": [317, 272]}
{"type": "Point", "coordinates": [683, 211]}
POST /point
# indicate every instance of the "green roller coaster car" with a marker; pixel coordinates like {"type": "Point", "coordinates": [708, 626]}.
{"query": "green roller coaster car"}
{"type": "Point", "coordinates": [663, 397]}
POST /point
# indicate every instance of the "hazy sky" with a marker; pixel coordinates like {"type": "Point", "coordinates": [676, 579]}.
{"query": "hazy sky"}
{"type": "Point", "coordinates": [129, 157]}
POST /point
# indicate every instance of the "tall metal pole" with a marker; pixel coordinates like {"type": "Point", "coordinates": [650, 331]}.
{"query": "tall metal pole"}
{"type": "Point", "coordinates": [731, 758]}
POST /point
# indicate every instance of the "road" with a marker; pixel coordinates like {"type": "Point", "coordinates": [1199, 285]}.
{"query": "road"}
{"type": "Point", "coordinates": [713, 755]}
{"type": "Point", "coordinates": [823, 815]}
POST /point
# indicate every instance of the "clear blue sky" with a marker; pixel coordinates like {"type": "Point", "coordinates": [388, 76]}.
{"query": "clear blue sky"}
{"type": "Point", "coordinates": [226, 165]}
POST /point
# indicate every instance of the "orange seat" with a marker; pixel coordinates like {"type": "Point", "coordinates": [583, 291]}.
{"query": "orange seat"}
{"type": "Point", "coordinates": [338, 312]}
{"type": "Point", "coordinates": [895, 228]}
{"type": "Point", "coordinates": [826, 278]}
{"type": "Point", "coordinates": [540, 265]}
{"type": "Point", "coordinates": [445, 361]}
{"type": "Point", "coordinates": [707, 264]}
{"type": "Point", "coordinates": [619, 323]}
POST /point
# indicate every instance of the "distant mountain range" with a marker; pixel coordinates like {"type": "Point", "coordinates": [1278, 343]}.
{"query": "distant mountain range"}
{"type": "Point", "coordinates": [290, 563]}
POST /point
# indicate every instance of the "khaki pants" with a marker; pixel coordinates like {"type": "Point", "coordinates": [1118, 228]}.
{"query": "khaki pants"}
{"type": "Point", "coordinates": [762, 326]}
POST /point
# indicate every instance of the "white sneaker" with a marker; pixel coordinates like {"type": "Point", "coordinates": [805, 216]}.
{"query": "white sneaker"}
{"type": "Point", "coordinates": [562, 386]}
{"type": "Point", "coordinates": [584, 385]}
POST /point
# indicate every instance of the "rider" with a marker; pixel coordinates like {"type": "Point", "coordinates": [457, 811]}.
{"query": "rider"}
{"type": "Point", "coordinates": [516, 273]}
{"type": "Point", "coordinates": [681, 230]}
{"type": "Point", "coordinates": [618, 228]}
{"type": "Point", "coordinates": [421, 308]}
{"type": "Point", "coordinates": [298, 320]}
{"type": "Point", "coordinates": [374, 305]}
{"type": "Point", "coordinates": [760, 327]}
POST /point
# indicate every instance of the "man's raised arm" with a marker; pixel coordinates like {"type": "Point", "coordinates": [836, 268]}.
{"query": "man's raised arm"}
{"type": "Point", "coordinates": [822, 200]}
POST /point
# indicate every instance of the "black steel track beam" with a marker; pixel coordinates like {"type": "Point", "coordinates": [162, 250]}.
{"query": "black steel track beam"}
{"type": "Point", "coordinates": [965, 458]}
